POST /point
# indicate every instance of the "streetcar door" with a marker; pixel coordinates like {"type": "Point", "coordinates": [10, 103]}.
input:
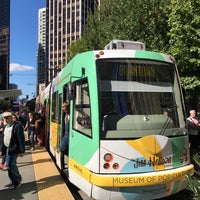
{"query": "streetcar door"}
{"type": "Point", "coordinates": [81, 138]}
{"type": "Point", "coordinates": [64, 156]}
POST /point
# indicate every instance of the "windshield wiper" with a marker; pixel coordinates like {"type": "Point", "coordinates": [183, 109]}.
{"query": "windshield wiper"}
{"type": "Point", "coordinates": [164, 127]}
{"type": "Point", "coordinates": [167, 122]}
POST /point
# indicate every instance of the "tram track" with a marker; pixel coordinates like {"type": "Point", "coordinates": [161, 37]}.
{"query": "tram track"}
{"type": "Point", "coordinates": [76, 192]}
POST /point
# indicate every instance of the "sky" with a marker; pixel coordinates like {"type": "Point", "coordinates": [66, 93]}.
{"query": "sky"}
{"type": "Point", "coordinates": [23, 44]}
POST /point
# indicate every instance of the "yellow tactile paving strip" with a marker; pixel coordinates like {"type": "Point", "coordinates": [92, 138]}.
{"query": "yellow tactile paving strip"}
{"type": "Point", "coordinates": [49, 182]}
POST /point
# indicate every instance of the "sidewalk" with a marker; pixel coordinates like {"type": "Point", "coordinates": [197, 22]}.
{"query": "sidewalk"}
{"type": "Point", "coordinates": [28, 189]}
{"type": "Point", "coordinates": [40, 179]}
{"type": "Point", "coordinates": [50, 184]}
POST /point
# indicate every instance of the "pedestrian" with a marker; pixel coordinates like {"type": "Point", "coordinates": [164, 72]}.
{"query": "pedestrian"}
{"type": "Point", "coordinates": [15, 118]}
{"type": "Point", "coordinates": [64, 147]}
{"type": "Point", "coordinates": [23, 118]}
{"type": "Point", "coordinates": [14, 145]}
{"type": "Point", "coordinates": [40, 127]}
{"type": "Point", "coordinates": [192, 125]}
{"type": "Point", "coordinates": [30, 127]}
{"type": "Point", "coordinates": [3, 159]}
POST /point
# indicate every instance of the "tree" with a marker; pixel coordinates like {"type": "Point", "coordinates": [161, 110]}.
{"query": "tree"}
{"type": "Point", "coordinates": [184, 21]}
{"type": "Point", "coordinates": [76, 47]}
{"type": "Point", "coordinates": [5, 104]}
{"type": "Point", "coordinates": [171, 27]}
{"type": "Point", "coordinates": [146, 21]}
{"type": "Point", "coordinates": [193, 182]}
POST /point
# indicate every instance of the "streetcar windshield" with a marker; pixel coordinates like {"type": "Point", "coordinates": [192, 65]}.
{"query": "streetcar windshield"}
{"type": "Point", "coordinates": [138, 98]}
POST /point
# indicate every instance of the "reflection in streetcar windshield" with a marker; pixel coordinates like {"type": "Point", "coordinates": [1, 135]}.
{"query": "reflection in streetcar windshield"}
{"type": "Point", "coordinates": [138, 98]}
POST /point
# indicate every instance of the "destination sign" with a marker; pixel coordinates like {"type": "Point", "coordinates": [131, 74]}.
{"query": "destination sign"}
{"type": "Point", "coordinates": [136, 71]}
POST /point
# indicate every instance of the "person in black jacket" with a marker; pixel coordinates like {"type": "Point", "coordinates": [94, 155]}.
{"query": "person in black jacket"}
{"type": "Point", "coordinates": [14, 145]}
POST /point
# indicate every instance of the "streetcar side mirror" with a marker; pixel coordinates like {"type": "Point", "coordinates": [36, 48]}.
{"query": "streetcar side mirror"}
{"type": "Point", "coordinates": [71, 91]}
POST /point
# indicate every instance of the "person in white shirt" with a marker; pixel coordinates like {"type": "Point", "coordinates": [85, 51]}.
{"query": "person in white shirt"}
{"type": "Point", "coordinates": [14, 145]}
{"type": "Point", "coordinates": [192, 125]}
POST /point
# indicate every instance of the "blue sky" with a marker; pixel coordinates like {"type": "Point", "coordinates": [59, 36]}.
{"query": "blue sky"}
{"type": "Point", "coordinates": [23, 44]}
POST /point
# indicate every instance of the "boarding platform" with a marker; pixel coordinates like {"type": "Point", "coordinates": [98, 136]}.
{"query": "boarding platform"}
{"type": "Point", "coordinates": [41, 179]}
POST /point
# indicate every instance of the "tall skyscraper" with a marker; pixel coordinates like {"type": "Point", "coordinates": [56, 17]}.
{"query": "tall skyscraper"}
{"type": "Point", "coordinates": [41, 52]}
{"type": "Point", "coordinates": [4, 44]}
{"type": "Point", "coordinates": [65, 21]}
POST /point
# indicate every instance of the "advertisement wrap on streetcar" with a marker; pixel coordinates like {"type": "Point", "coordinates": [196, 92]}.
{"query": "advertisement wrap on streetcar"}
{"type": "Point", "coordinates": [127, 136]}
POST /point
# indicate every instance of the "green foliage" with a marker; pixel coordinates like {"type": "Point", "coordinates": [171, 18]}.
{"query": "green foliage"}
{"type": "Point", "coordinates": [184, 21]}
{"type": "Point", "coordinates": [5, 104]}
{"type": "Point", "coordinates": [76, 47]}
{"type": "Point", "coordinates": [190, 83]}
{"type": "Point", "coordinates": [194, 182]}
{"type": "Point", "coordinates": [191, 87]}
{"type": "Point", "coordinates": [184, 35]}
{"type": "Point", "coordinates": [144, 21]}
{"type": "Point", "coordinates": [170, 26]}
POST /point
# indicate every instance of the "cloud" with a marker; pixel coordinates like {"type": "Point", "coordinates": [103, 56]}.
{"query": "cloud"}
{"type": "Point", "coordinates": [18, 67]}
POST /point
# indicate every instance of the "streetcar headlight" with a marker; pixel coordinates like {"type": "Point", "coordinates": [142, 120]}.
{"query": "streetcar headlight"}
{"type": "Point", "coordinates": [108, 157]}
{"type": "Point", "coordinates": [115, 166]}
{"type": "Point", "coordinates": [106, 166]}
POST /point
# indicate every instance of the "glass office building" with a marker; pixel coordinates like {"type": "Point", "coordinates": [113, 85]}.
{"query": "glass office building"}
{"type": "Point", "coordinates": [4, 44]}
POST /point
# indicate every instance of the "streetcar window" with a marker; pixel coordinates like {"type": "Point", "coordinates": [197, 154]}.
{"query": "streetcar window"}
{"type": "Point", "coordinates": [55, 107]}
{"type": "Point", "coordinates": [82, 112]}
{"type": "Point", "coordinates": [59, 107]}
{"type": "Point", "coordinates": [133, 95]}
